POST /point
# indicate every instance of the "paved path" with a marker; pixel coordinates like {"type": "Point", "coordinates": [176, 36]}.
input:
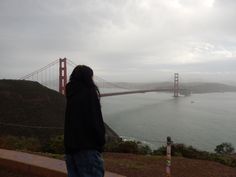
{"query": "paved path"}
{"type": "Point", "coordinates": [36, 165]}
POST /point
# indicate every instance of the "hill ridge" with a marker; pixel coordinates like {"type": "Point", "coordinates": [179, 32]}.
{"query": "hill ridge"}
{"type": "Point", "coordinates": [29, 103]}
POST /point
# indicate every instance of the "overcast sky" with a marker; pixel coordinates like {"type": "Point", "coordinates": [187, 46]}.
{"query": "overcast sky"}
{"type": "Point", "coordinates": [122, 40]}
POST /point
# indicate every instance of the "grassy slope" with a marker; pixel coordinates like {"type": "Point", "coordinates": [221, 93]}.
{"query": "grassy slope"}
{"type": "Point", "coordinates": [31, 104]}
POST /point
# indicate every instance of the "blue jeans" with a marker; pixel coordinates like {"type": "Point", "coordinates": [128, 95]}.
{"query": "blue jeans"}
{"type": "Point", "coordinates": [85, 164]}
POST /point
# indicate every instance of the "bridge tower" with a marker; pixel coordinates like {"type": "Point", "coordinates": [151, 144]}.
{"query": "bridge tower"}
{"type": "Point", "coordinates": [62, 75]}
{"type": "Point", "coordinates": [176, 84]}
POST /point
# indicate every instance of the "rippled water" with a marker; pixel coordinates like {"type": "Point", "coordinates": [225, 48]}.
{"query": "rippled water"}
{"type": "Point", "coordinates": [200, 120]}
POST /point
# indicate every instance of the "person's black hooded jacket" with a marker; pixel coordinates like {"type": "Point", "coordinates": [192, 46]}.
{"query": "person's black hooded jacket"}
{"type": "Point", "coordinates": [84, 126]}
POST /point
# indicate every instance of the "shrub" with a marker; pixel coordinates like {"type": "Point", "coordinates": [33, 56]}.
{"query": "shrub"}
{"type": "Point", "coordinates": [20, 143]}
{"type": "Point", "coordinates": [112, 146]}
{"type": "Point", "coordinates": [177, 150]}
{"type": "Point", "coordinates": [224, 148]}
{"type": "Point", "coordinates": [226, 160]}
{"type": "Point", "coordinates": [127, 147]}
{"type": "Point", "coordinates": [55, 145]}
{"type": "Point", "coordinates": [160, 151]}
{"type": "Point", "coordinates": [144, 149]}
{"type": "Point", "coordinates": [190, 152]}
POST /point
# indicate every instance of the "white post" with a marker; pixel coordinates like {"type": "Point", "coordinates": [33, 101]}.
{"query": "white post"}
{"type": "Point", "coordinates": [168, 157]}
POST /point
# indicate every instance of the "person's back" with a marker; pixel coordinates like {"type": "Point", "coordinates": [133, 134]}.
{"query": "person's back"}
{"type": "Point", "coordinates": [84, 134]}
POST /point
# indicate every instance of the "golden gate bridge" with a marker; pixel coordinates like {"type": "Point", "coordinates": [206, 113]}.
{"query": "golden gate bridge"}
{"type": "Point", "coordinates": [45, 77]}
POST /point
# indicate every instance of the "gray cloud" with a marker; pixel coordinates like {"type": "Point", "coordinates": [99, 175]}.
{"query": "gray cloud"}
{"type": "Point", "coordinates": [125, 40]}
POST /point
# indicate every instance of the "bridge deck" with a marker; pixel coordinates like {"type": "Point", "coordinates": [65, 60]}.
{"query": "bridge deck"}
{"type": "Point", "coordinates": [137, 91]}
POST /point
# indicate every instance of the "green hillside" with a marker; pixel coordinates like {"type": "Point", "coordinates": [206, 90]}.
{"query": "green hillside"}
{"type": "Point", "coordinates": [27, 107]}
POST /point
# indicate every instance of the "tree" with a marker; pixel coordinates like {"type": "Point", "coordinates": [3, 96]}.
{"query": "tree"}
{"type": "Point", "coordinates": [224, 148]}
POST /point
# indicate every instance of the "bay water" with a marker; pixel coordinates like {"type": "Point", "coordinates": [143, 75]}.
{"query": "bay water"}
{"type": "Point", "coordinates": [200, 120]}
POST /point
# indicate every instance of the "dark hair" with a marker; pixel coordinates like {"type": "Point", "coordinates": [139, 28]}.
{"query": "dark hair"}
{"type": "Point", "coordinates": [84, 74]}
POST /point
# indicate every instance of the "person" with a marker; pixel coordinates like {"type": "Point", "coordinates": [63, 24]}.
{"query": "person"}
{"type": "Point", "coordinates": [84, 131]}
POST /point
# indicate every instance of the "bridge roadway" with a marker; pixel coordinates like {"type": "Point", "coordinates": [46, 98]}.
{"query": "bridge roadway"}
{"type": "Point", "coordinates": [138, 91]}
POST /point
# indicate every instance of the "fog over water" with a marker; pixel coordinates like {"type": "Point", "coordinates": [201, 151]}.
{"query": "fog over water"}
{"type": "Point", "coordinates": [200, 120]}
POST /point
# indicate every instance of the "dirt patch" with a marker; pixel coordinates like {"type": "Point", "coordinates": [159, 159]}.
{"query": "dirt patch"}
{"type": "Point", "coordinates": [154, 166]}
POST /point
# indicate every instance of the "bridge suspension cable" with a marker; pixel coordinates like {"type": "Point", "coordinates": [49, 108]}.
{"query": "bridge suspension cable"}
{"type": "Point", "coordinates": [44, 76]}
{"type": "Point", "coordinates": [71, 63]}
{"type": "Point", "coordinates": [39, 70]}
{"type": "Point", "coordinates": [47, 79]}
